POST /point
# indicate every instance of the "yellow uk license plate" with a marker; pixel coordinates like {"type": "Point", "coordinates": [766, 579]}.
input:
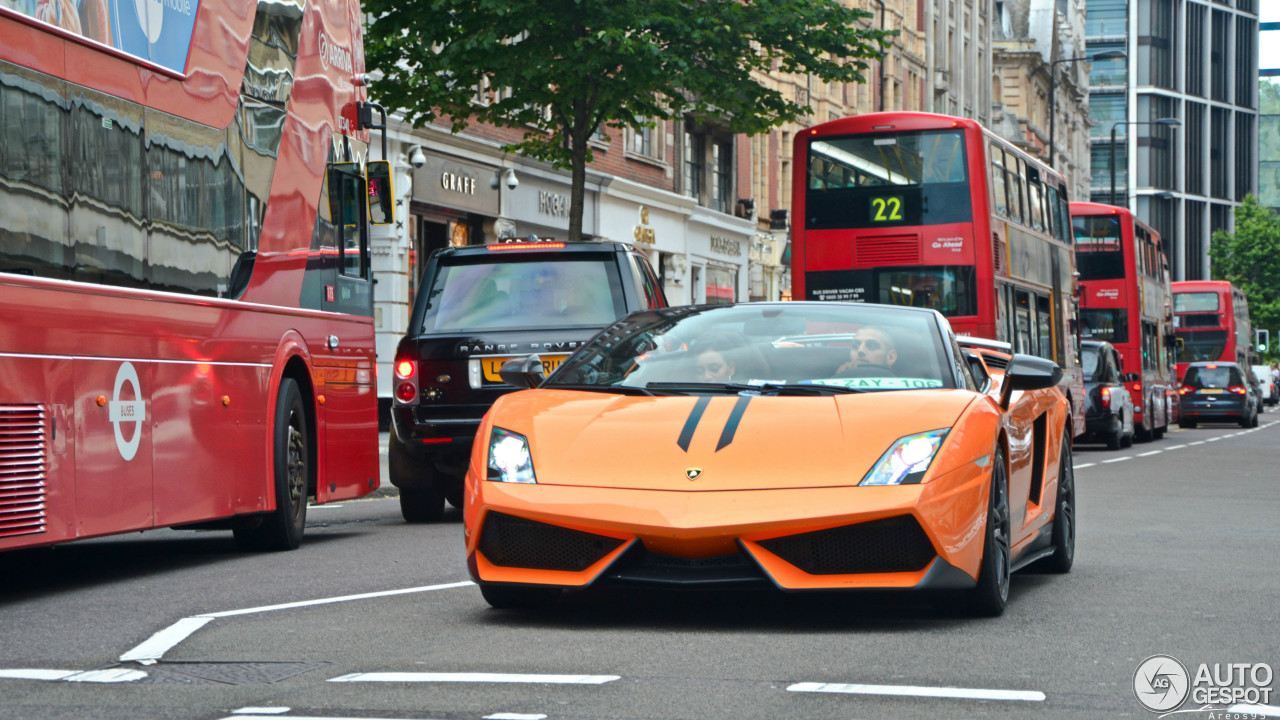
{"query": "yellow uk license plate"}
{"type": "Point", "coordinates": [491, 365]}
{"type": "Point", "coordinates": [1211, 391]}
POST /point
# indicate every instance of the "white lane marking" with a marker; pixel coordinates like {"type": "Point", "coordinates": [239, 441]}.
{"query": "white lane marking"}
{"type": "Point", "coordinates": [36, 674]}
{"type": "Point", "coordinates": [1265, 710]}
{"type": "Point", "coordinates": [1081, 467]}
{"type": "Point", "coordinates": [916, 691]}
{"type": "Point", "coordinates": [476, 678]}
{"type": "Point", "coordinates": [165, 640]}
{"type": "Point", "coordinates": [1213, 439]}
{"type": "Point", "coordinates": [307, 717]}
{"type": "Point", "coordinates": [1198, 442]}
{"type": "Point", "coordinates": [261, 711]}
{"type": "Point", "coordinates": [110, 675]}
{"type": "Point", "coordinates": [162, 641]}
{"type": "Point", "coordinates": [1175, 447]}
{"type": "Point", "coordinates": [1121, 459]}
{"type": "Point", "coordinates": [514, 716]}
{"type": "Point", "coordinates": [1149, 454]}
{"type": "Point", "coordinates": [323, 507]}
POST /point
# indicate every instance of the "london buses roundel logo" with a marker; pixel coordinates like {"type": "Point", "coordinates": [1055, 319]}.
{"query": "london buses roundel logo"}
{"type": "Point", "coordinates": [124, 413]}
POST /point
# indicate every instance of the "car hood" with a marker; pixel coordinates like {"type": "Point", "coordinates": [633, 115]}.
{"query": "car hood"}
{"type": "Point", "coordinates": [726, 442]}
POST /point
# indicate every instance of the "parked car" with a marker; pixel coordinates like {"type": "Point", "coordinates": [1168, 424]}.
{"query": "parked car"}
{"type": "Point", "coordinates": [1255, 387]}
{"type": "Point", "coordinates": [480, 306]}
{"type": "Point", "coordinates": [1270, 388]}
{"type": "Point", "coordinates": [1217, 392]}
{"type": "Point", "coordinates": [1108, 414]}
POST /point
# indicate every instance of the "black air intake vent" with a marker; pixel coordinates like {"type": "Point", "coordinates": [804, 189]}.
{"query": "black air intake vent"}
{"type": "Point", "coordinates": [896, 544]}
{"type": "Point", "coordinates": [509, 541]}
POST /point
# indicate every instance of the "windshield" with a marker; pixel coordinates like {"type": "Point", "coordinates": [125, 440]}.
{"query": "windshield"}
{"type": "Point", "coordinates": [1194, 346]}
{"type": "Point", "coordinates": [563, 292]}
{"type": "Point", "coordinates": [1195, 302]}
{"type": "Point", "coordinates": [805, 348]}
{"type": "Point", "coordinates": [1099, 249]}
{"type": "Point", "coordinates": [887, 179]}
{"type": "Point", "coordinates": [1109, 324]}
{"type": "Point", "coordinates": [1213, 376]}
{"type": "Point", "coordinates": [1089, 357]}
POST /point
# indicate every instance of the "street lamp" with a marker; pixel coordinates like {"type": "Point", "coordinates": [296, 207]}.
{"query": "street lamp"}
{"type": "Point", "coordinates": [882, 54]}
{"type": "Point", "coordinates": [1167, 122]}
{"type": "Point", "coordinates": [1053, 94]}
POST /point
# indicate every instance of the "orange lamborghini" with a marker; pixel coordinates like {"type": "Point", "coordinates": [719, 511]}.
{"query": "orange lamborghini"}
{"type": "Point", "coordinates": [803, 446]}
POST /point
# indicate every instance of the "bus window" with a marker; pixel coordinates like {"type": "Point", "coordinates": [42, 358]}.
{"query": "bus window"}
{"type": "Point", "coordinates": [949, 290]}
{"type": "Point", "coordinates": [998, 186]}
{"type": "Point", "coordinates": [1044, 329]}
{"type": "Point", "coordinates": [1099, 248]}
{"type": "Point", "coordinates": [1037, 205]}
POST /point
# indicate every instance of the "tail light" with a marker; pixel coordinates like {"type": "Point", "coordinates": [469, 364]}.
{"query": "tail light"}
{"type": "Point", "coordinates": [1106, 398]}
{"type": "Point", "coordinates": [1237, 389]}
{"type": "Point", "coordinates": [406, 380]}
{"type": "Point", "coordinates": [1186, 389]}
{"type": "Point", "coordinates": [1135, 386]}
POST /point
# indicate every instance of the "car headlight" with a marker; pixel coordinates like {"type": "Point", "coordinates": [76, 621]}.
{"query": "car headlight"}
{"type": "Point", "coordinates": [906, 460]}
{"type": "Point", "coordinates": [509, 458]}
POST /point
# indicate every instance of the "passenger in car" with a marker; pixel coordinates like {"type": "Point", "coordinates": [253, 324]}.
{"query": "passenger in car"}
{"type": "Point", "coordinates": [872, 353]}
{"type": "Point", "coordinates": [725, 358]}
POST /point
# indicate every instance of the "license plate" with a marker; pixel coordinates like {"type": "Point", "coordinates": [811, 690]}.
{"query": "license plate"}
{"type": "Point", "coordinates": [491, 365]}
{"type": "Point", "coordinates": [1211, 391]}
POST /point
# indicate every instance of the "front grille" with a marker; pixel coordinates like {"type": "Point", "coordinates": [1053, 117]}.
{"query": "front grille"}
{"type": "Point", "coordinates": [894, 250]}
{"type": "Point", "coordinates": [23, 465]}
{"type": "Point", "coordinates": [509, 541]}
{"type": "Point", "coordinates": [896, 544]}
{"type": "Point", "coordinates": [640, 566]}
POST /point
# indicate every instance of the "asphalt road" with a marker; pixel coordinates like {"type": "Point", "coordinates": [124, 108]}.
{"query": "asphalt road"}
{"type": "Point", "coordinates": [1178, 554]}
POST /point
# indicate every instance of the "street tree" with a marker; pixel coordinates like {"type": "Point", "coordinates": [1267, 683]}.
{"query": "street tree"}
{"type": "Point", "coordinates": [565, 69]}
{"type": "Point", "coordinates": [1250, 259]}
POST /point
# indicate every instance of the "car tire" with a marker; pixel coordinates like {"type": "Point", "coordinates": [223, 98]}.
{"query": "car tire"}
{"type": "Point", "coordinates": [505, 597]}
{"type": "Point", "coordinates": [1116, 439]}
{"type": "Point", "coordinates": [991, 595]}
{"type": "Point", "coordinates": [282, 528]}
{"type": "Point", "coordinates": [1064, 517]}
{"type": "Point", "coordinates": [1255, 420]}
{"type": "Point", "coordinates": [1126, 441]}
{"type": "Point", "coordinates": [421, 505]}
{"type": "Point", "coordinates": [1140, 432]}
{"type": "Point", "coordinates": [455, 493]}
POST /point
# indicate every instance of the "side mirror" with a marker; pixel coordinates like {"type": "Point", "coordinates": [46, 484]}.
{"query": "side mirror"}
{"type": "Point", "coordinates": [523, 372]}
{"type": "Point", "coordinates": [381, 198]}
{"type": "Point", "coordinates": [1028, 372]}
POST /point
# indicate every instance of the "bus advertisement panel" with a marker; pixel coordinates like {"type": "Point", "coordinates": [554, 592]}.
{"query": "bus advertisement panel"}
{"type": "Point", "coordinates": [1211, 319]}
{"type": "Point", "coordinates": [934, 211]}
{"type": "Point", "coordinates": [186, 327]}
{"type": "Point", "coordinates": [1125, 300]}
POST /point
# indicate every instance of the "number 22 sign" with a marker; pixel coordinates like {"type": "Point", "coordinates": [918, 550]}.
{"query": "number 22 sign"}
{"type": "Point", "coordinates": [886, 209]}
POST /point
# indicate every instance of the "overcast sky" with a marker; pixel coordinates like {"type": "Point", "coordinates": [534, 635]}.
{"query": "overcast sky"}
{"type": "Point", "coordinates": [1269, 46]}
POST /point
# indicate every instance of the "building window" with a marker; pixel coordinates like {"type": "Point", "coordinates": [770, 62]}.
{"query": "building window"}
{"type": "Point", "coordinates": [694, 163]}
{"type": "Point", "coordinates": [721, 179]}
{"type": "Point", "coordinates": [647, 142]}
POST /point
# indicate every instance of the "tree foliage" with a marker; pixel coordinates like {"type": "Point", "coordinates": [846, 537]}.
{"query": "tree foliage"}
{"type": "Point", "coordinates": [1250, 260]}
{"type": "Point", "coordinates": [564, 69]}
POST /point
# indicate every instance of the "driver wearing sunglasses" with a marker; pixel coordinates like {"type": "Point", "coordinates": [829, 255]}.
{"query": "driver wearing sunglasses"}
{"type": "Point", "coordinates": [871, 352]}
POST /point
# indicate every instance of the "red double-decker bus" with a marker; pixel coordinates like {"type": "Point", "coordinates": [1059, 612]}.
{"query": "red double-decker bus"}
{"type": "Point", "coordinates": [1125, 300]}
{"type": "Point", "coordinates": [186, 332]}
{"type": "Point", "coordinates": [935, 211]}
{"type": "Point", "coordinates": [1211, 320]}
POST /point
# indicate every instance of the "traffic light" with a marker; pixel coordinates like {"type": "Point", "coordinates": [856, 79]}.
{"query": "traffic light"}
{"type": "Point", "coordinates": [1263, 337]}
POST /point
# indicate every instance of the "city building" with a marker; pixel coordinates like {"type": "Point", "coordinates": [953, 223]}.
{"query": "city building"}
{"type": "Point", "coordinates": [1269, 106]}
{"type": "Point", "coordinates": [1183, 111]}
{"type": "Point", "coordinates": [1040, 67]}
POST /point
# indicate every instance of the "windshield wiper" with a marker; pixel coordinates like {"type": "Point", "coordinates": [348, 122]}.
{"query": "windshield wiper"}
{"type": "Point", "coordinates": [761, 389]}
{"type": "Point", "coordinates": [620, 389]}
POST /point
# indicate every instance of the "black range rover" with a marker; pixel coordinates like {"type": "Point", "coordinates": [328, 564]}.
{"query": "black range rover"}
{"type": "Point", "coordinates": [480, 306]}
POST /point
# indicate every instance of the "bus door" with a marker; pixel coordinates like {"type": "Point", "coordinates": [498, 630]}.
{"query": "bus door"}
{"type": "Point", "coordinates": [113, 487]}
{"type": "Point", "coordinates": [347, 417]}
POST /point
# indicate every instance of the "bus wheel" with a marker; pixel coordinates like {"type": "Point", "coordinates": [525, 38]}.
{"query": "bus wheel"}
{"type": "Point", "coordinates": [1141, 432]}
{"type": "Point", "coordinates": [282, 528]}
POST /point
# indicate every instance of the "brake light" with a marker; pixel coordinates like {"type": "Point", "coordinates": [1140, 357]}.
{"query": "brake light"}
{"type": "Point", "coordinates": [525, 246]}
{"type": "Point", "coordinates": [1136, 386]}
{"type": "Point", "coordinates": [1186, 389]}
{"type": "Point", "coordinates": [1106, 398]}
{"type": "Point", "coordinates": [404, 369]}
{"type": "Point", "coordinates": [406, 377]}
{"type": "Point", "coordinates": [1237, 389]}
{"type": "Point", "coordinates": [1212, 367]}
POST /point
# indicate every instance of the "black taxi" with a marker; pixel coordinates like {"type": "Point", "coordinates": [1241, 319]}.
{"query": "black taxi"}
{"type": "Point", "coordinates": [480, 306]}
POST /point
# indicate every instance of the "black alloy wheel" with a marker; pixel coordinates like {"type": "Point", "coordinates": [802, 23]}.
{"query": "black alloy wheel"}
{"type": "Point", "coordinates": [1064, 516]}
{"type": "Point", "coordinates": [991, 595]}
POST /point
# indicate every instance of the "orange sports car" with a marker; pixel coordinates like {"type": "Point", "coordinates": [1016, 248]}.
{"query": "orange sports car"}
{"type": "Point", "coordinates": [803, 446]}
